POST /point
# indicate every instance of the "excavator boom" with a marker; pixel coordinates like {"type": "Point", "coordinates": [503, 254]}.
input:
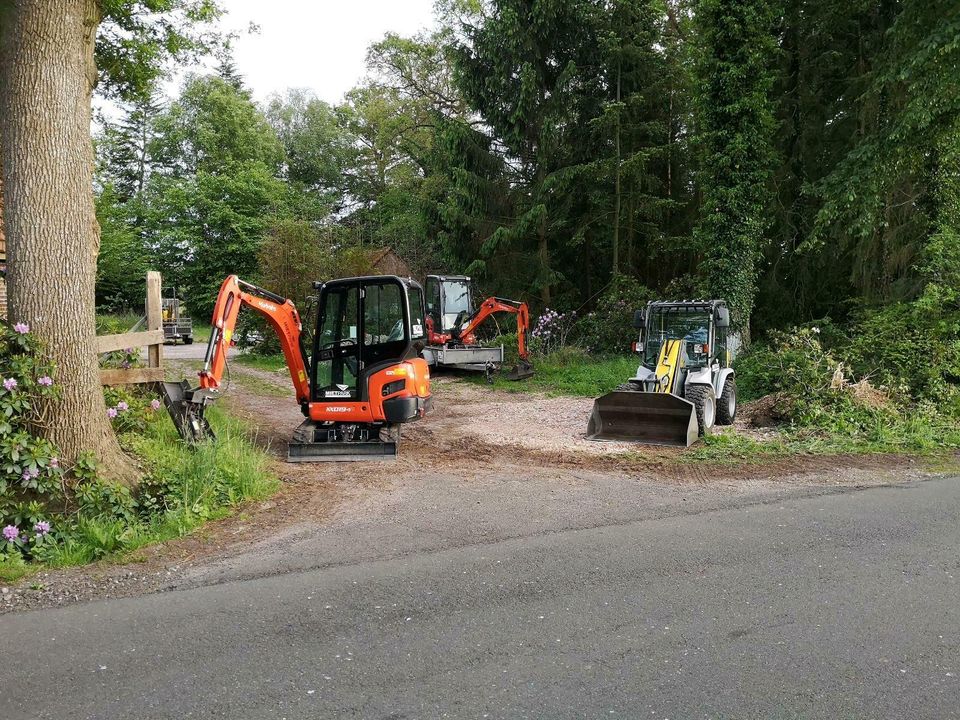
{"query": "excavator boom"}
{"type": "Point", "coordinates": [187, 406]}
{"type": "Point", "coordinates": [491, 306]}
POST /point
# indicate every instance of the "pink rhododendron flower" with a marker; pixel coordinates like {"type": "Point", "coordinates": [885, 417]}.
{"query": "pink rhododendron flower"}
{"type": "Point", "coordinates": [54, 462]}
{"type": "Point", "coordinates": [22, 328]}
{"type": "Point", "coordinates": [121, 406]}
{"type": "Point", "coordinates": [10, 532]}
{"type": "Point", "coordinates": [46, 381]}
{"type": "Point", "coordinates": [10, 383]}
{"type": "Point", "coordinates": [154, 404]}
{"type": "Point", "coordinates": [111, 413]}
{"type": "Point", "coordinates": [41, 528]}
{"type": "Point", "coordinates": [30, 473]}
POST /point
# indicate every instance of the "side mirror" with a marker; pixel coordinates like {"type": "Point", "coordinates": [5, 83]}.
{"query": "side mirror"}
{"type": "Point", "coordinates": [639, 319]}
{"type": "Point", "coordinates": [723, 317]}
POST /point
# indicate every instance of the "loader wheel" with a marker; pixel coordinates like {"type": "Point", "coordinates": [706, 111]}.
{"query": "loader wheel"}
{"type": "Point", "coordinates": [727, 405]}
{"type": "Point", "coordinates": [703, 401]}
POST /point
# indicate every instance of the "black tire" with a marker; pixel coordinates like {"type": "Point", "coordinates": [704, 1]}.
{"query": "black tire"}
{"type": "Point", "coordinates": [727, 404]}
{"type": "Point", "coordinates": [188, 339]}
{"type": "Point", "coordinates": [703, 402]}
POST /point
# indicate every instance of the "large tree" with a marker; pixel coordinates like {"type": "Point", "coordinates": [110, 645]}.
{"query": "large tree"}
{"type": "Point", "coordinates": [736, 116]}
{"type": "Point", "coordinates": [47, 76]}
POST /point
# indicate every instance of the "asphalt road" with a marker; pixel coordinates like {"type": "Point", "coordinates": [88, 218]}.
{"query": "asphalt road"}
{"type": "Point", "coordinates": [838, 606]}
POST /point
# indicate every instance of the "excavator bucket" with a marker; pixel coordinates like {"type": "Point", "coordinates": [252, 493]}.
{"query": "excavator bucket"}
{"type": "Point", "coordinates": [522, 370]}
{"type": "Point", "coordinates": [644, 417]}
{"type": "Point", "coordinates": [186, 408]}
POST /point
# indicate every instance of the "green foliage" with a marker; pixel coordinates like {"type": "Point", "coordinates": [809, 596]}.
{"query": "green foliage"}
{"type": "Point", "coordinates": [570, 371]}
{"type": "Point", "coordinates": [609, 328]}
{"type": "Point", "coordinates": [138, 40]}
{"type": "Point", "coordinates": [29, 465]}
{"type": "Point", "coordinates": [91, 518]}
{"type": "Point", "coordinates": [736, 131]}
{"type": "Point", "coordinates": [814, 391]}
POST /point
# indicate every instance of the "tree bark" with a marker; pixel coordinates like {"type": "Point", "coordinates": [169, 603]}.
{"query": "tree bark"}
{"type": "Point", "coordinates": [47, 74]}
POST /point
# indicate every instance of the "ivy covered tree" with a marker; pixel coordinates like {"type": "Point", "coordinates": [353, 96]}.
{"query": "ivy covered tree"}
{"type": "Point", "coordinates": [736, 129]}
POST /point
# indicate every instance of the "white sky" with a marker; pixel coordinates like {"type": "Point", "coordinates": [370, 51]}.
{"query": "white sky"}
{"type": "Point", "coordinates": [315, 44]}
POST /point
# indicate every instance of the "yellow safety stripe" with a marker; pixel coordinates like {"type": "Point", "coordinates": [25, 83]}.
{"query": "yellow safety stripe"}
{"type": "Point", "coordinates": [667, 363]}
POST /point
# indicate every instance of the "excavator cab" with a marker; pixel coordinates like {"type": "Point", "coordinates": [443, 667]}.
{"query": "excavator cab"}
{"type": "Point", "coordinates": [362, 378]}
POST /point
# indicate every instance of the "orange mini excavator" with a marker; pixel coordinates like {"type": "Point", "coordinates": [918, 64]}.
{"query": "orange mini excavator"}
{"type": "Point", "coordinates": [366, 377]}
{"type": "Point", "coordinates": [452, 323]}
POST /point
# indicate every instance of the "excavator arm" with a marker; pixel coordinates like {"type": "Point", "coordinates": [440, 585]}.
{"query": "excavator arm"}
{"type": "Point", "coordinates": [490, 307]}
{"type": "Point", "coordinates": [279, 312]}
{"type": "Point", "coordinates": [187, 405]}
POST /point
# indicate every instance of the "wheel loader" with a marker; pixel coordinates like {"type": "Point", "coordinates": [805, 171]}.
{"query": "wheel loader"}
{"type": "Point", "coordinates": [363, 379]}
{"type": "Point", "coordinates": [684, 384]}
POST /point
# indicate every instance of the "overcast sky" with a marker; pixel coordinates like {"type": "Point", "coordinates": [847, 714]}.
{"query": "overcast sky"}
{"type": "Point", "coordinates": [315, 44]}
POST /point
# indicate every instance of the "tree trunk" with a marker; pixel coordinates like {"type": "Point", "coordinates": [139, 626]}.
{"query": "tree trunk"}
{"type": "Point", "coordinates": [47, 73]}
{"type": "Point", "coordinates": [616, 191]}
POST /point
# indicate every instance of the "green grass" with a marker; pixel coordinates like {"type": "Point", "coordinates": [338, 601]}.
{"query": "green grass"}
{"type": "Point", "coordinates": [270, 363]}
{"type": "Point", "coordinates": [569, 372]}
{"type": "Point", "coordinates": [201, 332]}
{"type": "Point", "coordinates": [201, 484]}
{"type": "Point", "coordinates": [116, 323]}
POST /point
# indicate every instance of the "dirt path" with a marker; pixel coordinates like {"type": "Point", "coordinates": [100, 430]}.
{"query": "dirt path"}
{"type": "Point", "coordinates": [485, 463]}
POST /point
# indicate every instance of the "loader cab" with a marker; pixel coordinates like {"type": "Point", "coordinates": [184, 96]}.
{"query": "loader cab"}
{"type": "Point", "coordinates": [700, 325]}
{"type": "Point", "coordinates": [363, 325]}
{"type": "Point", "coordinates": [449, 299]}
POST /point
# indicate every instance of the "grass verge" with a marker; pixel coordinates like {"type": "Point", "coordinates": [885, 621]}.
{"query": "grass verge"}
{"type": "Point", "coordinates": [182, 489]}
{"type": "Point", "coordinates": [568, 372]}
{"type": "Point", "coordinates": [270, 363]}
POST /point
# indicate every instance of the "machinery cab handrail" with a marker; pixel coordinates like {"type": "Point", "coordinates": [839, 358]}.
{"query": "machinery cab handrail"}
{"type": "Point", "coordinates": [701, 325]}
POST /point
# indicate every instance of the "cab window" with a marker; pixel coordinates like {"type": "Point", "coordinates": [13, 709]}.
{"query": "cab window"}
{"type": "Point", "coordinates": [385, 334]}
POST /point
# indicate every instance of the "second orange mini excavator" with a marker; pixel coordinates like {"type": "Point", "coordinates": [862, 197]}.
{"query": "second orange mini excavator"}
{"type": "Point", "coordinates": [361, 380]}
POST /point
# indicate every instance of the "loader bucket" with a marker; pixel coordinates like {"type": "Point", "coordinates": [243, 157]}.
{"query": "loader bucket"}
{"type": "Point", "coordinates": [186, 411]}
{"type": "Point", "coordinates": [522, 370]}
{"type": "Point", "coordinates": [645, 417]}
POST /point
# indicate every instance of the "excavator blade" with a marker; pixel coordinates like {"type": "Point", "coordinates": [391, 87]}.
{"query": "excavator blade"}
{"type": "Point", "coordinates": [187, 410]}
{"type": "Point", "coordinates": [644, 417]}
{"type": "Point", "coordinates": [311, 443]}
{"type": "Point", "coordinates": [522, 370]}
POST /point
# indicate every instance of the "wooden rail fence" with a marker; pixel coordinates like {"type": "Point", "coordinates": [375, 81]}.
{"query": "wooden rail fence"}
{"type": "Point", "coordinates": [151, 338]}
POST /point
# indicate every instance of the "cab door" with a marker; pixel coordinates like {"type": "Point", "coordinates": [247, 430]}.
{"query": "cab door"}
{"type": "Point", "coordinates": [337, 360]}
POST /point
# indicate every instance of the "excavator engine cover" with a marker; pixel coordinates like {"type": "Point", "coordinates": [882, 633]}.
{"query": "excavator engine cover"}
{"type": "Point", "coordinates": [645, 417]}
{"type": "Point", "coordinates": [186, 408]}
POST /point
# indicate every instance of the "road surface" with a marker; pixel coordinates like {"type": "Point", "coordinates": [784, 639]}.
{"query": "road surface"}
{"type": "Point", "coordinates": [840, 605]}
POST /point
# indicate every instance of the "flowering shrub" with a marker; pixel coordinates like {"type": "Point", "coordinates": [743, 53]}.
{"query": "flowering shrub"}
{"type": "Point", "coordinates": [551, 331]}
{"type": "Point", "coordinates": [129, 411]}
{"type": "Point", "coordinates": [30, 472]}
{"type": "Point", "coordinates": [122, 359]}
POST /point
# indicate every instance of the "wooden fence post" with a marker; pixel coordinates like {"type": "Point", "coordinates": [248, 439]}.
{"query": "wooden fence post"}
{"type": "Point", "coordinates": [154, 315]}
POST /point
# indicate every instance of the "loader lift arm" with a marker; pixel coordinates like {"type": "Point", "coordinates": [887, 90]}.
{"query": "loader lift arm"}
{"type": "Point", "coordinates": [279, 312]}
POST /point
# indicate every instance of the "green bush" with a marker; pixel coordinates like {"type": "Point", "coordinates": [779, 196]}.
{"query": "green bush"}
{"type": "Point", "coordinates": [609, 328]}
{"type": "Point", "coordinates": [68, 515]}
{"type": "Point", "coordinates": [911, 347]}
